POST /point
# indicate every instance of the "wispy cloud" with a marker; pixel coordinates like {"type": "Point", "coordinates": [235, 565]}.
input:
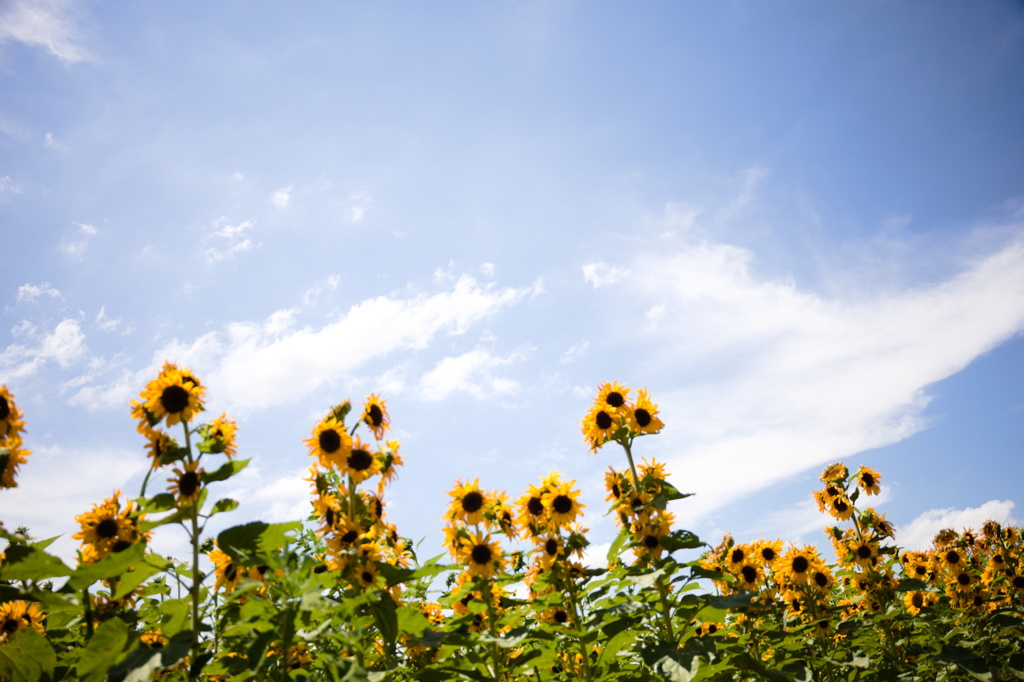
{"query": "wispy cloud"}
{"type": "Point", "coordinates": [43, 23]}
{"type": "Point", "coordinates": [27, 293]}
{"type": "Point", "coordinates": [75, 243]}
{"type": "Point", "coordinates": [260, 364]}
{"type": "Point", "coordinates": [65, 345]}
{"type": "Point", "coordinates": [474, 372]}
{"type": "Point", "coordinates": [282, 197]}
{"type": "Point", "coordinates": [228, 240]}
{"type": "Point", "coordinates": [603, 274]}
{"type": "Point", "coordinates": [779, 380]}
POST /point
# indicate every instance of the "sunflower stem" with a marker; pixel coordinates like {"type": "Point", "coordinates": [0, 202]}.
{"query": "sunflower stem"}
{"type": "Point", "coordinates": [194, 536]}
{"type": "Point", "coordinates": [632, 468]}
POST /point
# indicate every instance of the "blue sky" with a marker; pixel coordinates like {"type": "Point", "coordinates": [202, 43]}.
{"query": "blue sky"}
{"type": "Point", "coordinates": [800, 225]}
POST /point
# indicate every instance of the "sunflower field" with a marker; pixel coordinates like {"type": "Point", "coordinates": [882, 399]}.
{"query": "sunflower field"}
{"type": "Point", "coordinates": [342, 595]}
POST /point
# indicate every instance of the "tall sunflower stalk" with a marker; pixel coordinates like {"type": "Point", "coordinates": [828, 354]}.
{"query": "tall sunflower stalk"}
{"type": "Point", "coordinates": [176, 397]}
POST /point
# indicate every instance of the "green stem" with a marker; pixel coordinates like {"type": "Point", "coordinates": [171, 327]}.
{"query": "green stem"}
{"type": "Point", "coordinates": [497, 671]}
{"type": "Point", "coordinates": [666, 609]}
{"type": "Point", "coordinates": [632, 467]}
{"type": "Point", "coordinates": [577, 620]}
{"type": "Point", "coordinates": [194, 537]}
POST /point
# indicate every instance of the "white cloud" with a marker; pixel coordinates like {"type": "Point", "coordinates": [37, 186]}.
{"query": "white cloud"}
{"type": "Point", "coordinates": [918, 534]}
{"type": "Point", "coordinates": [8, 186]}
{"type": "Point", "coordinates": [228, 239]}
{"type": "Point", "coordinates": [778, 380]}
{"type": "Point", "coordinates": [51, 141]}
{"type": "Point", "coordinates": [282, 197]}
{"type": "Point", "coordinates": [74, 244]}
{"type": "Point", "coordinates": [603, 274]}
{"type": "Point", "coordinates": [106, 323]}
{"type": "Point", "coordinates": [356, 206]}
{"type": "Point", "coordinates": [472, 373]}
{"type": "Point", "coordinates": [261, 364]}
{"type": "Point", "coordinates": [44, 23]}
{"type": "Point", "coordinates": [65, 345]}
{"type": "Point", "coordinates": [27, 293]}
{"type": "Point", "coordinates": [574, 353]}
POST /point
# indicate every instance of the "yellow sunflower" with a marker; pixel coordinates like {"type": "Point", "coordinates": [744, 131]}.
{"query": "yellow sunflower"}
{"type": "Point", "coordinates": [834, 472]}
{"type": "Point", "coordinates": [108, 528]}
{"type": "Point", "coordinates": [550, 549]}
{"type": "Point", "coordinates": [227, 573]}
{"type": "Point", "coordinates": [468, 502]}
{"type": "Point", "coordinates": [643, 417]}
{"type": "Point", "coordinates": [186, 484]}
{"type": "Point", "coordinates": [16, 615]}
{"type": "Point", "coordinates": [389, 467]}
{"type": "Point", "coordinates": [368, 576]}
{"type": "Point", "coordinates": [749, 574]}
{"type": "Point", "coordinates": [10, 416]}
{"type": "Point", "coordinates": [482, 555]}
{"type": "Point", "coordinates": [159, 444]}
{"type": "Point", "coordinates": [562, 503]}
{"type": "Point", "coordinates": [798, 564]}
{"type": "Point", "coordinates": [531, 509]}
{"type": "Point", "coordinates": [222, 432]}
{"type": "Point", "coordinates": [154, 639]}
{"type": "Point", "coordinates": [361, 463]}
{"type": "Point", "coordinates": [11, 457]}
{"type": "Point", "coordinates": [375, 415]}
{"type": "Point", "coordinates": [174, 396]}
{"type": "Point", "coordinates": [599, 426]}
{"type": "Point", "coordinates": [867, 480]}
{"type": "Point", "coordinates": [330, 443]}
{"type": "Point", "coordinates": [612, 396]}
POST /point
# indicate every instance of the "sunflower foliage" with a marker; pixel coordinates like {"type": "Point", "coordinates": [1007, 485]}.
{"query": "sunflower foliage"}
{"type": "Point", "coordinates": [517, 592]}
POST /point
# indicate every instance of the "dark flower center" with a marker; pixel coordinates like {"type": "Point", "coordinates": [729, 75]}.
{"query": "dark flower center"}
{"type": "Point", "coordinates": [359, 460]}
{"type": "Point", "coordinates": [749, 574]}
{"type": "Point", "coordinates": [562, 504]}
{"type": "Point", "coordinates": [820, 579]}
{"type": "Point", "coordinates": [768, 554]}
{"type": "Point", "coordinates": [329, 516]}
{"type": "Point", "coordinates": [189, 379]}
{"type": "Point", "coordinates": [952, 557]}
{"type": "Point", "coordinates": [472, 502]}
{"type": "Point", "coordinates": [534, 506]}
{"type": "Point", "coordinates": [320, 568]}
{"type": "Point", "coordinates": [561, 616]}
{"type": "Point", "coordinates": [174, 399]}
{"type": "Point", "coordinates": [615, 399]}
{"type": "Point", "coordinates": [867, 480]}
{"type": "Point", "coordinates": [349, 537]}
{"type": "Point", "coordinates": [378, 507]}
{"type": "Point", "coordinates": [10, 625]}
{"type": "Point", "coordinates": [551, 547]}
{"type": "Point", "coordinates": [375, 415]}
{"type": "Point", "coordinates": [107, 528]}
{"type": "Point", "coordinates": [712, 628]}
{"type": "Point", "coordinates": [736, 556]}
{"type": "Point", "coordinates": [156, 644]}
{"type": "Point", "coordinates": [188, 484]}
{"type": "Point", "coordinates": [5, 408]}
{"type": "Point", "coordinates": [917, 600]}
{"type": "Point", "coordinates": [1018, 582]}
{"type": "Point", "coordinates": [120, 546]}
{"type": "Point", "coordinates": [800, 564]}
{"type": "Point", "coordinates": [964, 578]}
{"type": "Point", "coordinates": [841, 506]}
{"type": "Point", "coordinates": [979, 600]}
{"type": "Point", "coordinates": [651, 541]}
{"type": "Point", "coordinates": [920, 570]}
{"type": "Point", "coordinates": [367, 577]}
{"type": "Point", "coordinates": [230, 572]}
{"type": "Point", "coordinates": [330, 441]}
{"type": "Point", "coordinates": [643, 417]}
{"type": "Point", "coordinates": [481, 554]}
{"type": "Point", "coordinates": [616, 493]}
{"type": "Point", "coordinates": [864, 551]}
{"type": "Point", "coordinates": [603, 420]}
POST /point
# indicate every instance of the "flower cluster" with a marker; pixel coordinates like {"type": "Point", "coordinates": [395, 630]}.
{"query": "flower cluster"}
{"type": "Point", "coordinates": [12, 426]}
{"type": "Point", "coordinates": [351, 518]}
{"type": "Point", "coordinates": [109, 527]}
{"type": "Point", "coordinates": [16, 615]}
{"type": "Point", "coordinates": [613, 417]}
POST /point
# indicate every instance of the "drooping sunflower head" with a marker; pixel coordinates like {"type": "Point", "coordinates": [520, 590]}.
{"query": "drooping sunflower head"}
{"type": "Point", "coordinates": [174, 396]}
{"type": "Point", "coordinates": [868, 479]}
{"type": "Point", "coordinates": [834, 472]}
{"type": "Point", "coordinates": [228, 573]}
{"type": "Point", "coordinates": [390, 461]}
{"type": "Point", "coordinates": [12, 455]}
{"type": "Point", "coordinates": [161, 448]}
{"type": "Point", "coordinates": [219, 437]}
{"type": "Point", "coordinates": [375, 415]}
{"type": "Point", "coordinates": [330, 444]}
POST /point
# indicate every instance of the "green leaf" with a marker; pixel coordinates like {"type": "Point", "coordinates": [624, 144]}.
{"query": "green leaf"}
{"type": "Point", "coordinates": [411, 621]}
{"type": "Point", "coordinates": [255, 538]}
{"type": "Point", "coordinates": [386, 619]}
{"type": "Point", "coordinates": [28, 562]}
{"type": "Point", "coordinates": [141, 663]}
{"type": "Point", "coordinates": [158, 503]}
{"type": "Point", "coordinates": [27, 656]}
{"type": "Point", "coordinates": [112, 566]}
{"type": "Point", "coordinates": [225, 505]}
{"type": "Point", "coordinates": [680, 539]}
{"type": "Point", "coordinates": [103, 649]}
{"type": "Point", "coordinates": [226, 471]}
{"type": "Point", "coordinates": [966, 659]}
{"type": "Point", "coordinates": [150, 566]}
{"type": "Point", "coordinates": [617, 545]}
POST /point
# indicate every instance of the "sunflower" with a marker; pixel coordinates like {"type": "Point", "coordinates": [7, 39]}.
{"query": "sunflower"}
{"type": "Point", "coordinates": [11, 457]}
{"type": "Point", "coordinates": [389, 467]}
{"type": "Point", "coordinates": [615, 482]}
{"type": "Point", "coordinates": [330, 443]}
{"type": "Point", "coordinates": [562, 504]}
{"type": "Point", "coordinates": [797, 565]}
{"type": "Point", "coordinates": [863, 553]}
{"type": "Point", "coordinates": [834, 472]}
{"type": "Point", "coordinates": [531, 509]}
{"type": "Point", "coordinates": [221, 431]}
{"type": "Point", "coordinates": [915, 601]}
{"type": "Point", "coordinates": [368, 576]}
{"type": "Point", "coordinates": [360, 463]}
{"type": "Point", "coordinates": [648, 534]}
{"type": "Point", "coordinates": [840, 507]}
{"type": "Point", "coordinates": [186, 484]}
{"type": "Point", "coordinates": [767, 551]}
{"type": "Point", "coordinates": [749, 574]}
{"type": "Point", "coordinates": [550, 549]}
{"type": "Point", "coordinates": [375, 415]}
{"type": "Point", "coordinates": [108, 528]}
{"type": "Point", "coordinates": [10, 416]}
{"type": "Point", "coordinates": [643, 417]}
{"type": "Point", "coordinates": [175, 396]}
{"type": "Point", "coordinates": [15, 615]}
{"type": "Point", "coordinates": [154, 639]}
{"type": "Point", "coordinates": [612, 397]}
{"type": "Point", "coordinates": [227, 573]}
{"type": "Point", "coordinates": [556, 615]}
{"type": "Point", "coordinates": [599, 426]}
{"type": "Point", "coordinates": [468, 502]}
{"type": "Point", "coordinates": [158, 446]}
{"type": "Point", "coordinates": [482, 555]}
{"type": "Point", "coordinates": [867, 480]}
{"type": "Point", "coordinates": [951, 558]}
